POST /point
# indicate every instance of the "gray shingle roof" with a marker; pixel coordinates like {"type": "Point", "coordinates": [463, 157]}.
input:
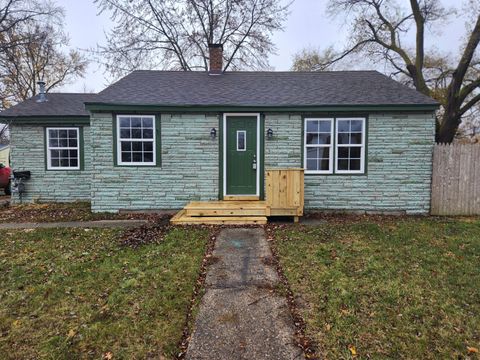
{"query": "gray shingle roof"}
{"type": "Point", "coordinates": [260, 89]}
{"type": "Point", "coordinates": [58, 104]}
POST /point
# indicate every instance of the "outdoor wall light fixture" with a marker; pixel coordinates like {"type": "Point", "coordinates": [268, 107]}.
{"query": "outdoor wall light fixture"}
{"type": "Point", "coordinates": [269, 134]}
{"type": "Point", "coordinates": [213, 134]}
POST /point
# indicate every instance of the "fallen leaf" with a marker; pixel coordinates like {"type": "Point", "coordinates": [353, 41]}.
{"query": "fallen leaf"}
{"type": "Point", "coordinates": [352, 349]}
{"type": "Point", "coordinates": [71, 333]}
{"type": "Point", "coordinates": [472, 350]}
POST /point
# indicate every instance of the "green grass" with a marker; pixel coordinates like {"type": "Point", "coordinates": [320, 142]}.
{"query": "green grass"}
{"type": "Point", "coordinates": [400, 288]}
{"type": "Point", "coordinates": [74, 293]}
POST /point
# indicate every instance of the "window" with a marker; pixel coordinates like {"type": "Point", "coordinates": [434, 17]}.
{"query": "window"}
{"type": "Point", "coordinates": [136, 140]}
{"type": "Point", "coordinates": [318, 156]}
{"type": "Point", "coordinates": [63, 148]}
{"type": "Point", "coordinates": [241, 140]}
{"type": "Point", "coordinates": [350, 147]}
{"type": "Point", "coordinates": [346, 148]}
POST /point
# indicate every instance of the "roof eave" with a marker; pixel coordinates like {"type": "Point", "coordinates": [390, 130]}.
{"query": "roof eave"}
{"type": "Point", "coordinates": [46, 119]}
{"type": "Point", "coordinates": [115, 107]}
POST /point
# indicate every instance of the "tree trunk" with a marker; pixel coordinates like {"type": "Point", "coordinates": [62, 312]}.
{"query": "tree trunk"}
{"type": "Point", "coordinates": [449, 125]}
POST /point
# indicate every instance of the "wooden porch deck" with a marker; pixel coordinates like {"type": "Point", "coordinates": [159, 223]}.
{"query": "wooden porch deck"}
{"type": "Point", "coordinates": [284, 197]}
{"type": "Point", "coordinates": [222, 212]}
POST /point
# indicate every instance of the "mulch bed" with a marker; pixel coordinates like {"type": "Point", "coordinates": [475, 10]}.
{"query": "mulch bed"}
{"type": "Point", "coordinates": [61, 212]}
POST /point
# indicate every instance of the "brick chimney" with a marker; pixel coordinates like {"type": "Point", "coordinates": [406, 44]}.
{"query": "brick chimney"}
{"type": "Point", "coordinates": [216, 58]}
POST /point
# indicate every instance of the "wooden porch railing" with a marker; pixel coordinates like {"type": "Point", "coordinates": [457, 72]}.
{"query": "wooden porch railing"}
{"type": "Point", "coordinates": [284, 192]}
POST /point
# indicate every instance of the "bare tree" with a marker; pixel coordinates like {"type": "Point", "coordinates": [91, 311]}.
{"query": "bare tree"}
{"type": "Point", "coordinates": [4, 135]}
{"type": "Point", "coordinates": [37, 57]}
{"type": "Point", "coordinates": [30, 50]}
{"type": "Point", "coordinates": [174, 34]}
{"type": "Point", "coordinates": [15, 13]}
{"type": "Point", "coordinates": [311, 59]}
{"type": "Point", "coordinates": [379, 31]}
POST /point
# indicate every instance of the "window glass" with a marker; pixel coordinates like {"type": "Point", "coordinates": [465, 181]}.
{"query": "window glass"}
{"type": "Point", "coordinates": [318, 145]}
{"type": "Point", "coordinates": [241, 140]}
{"type": "Point", "coordinates": [136, 142]}
{"type": "Point", "coordinates": [63, 149]}
{"type": "Point", "coordinates": [350, 145]}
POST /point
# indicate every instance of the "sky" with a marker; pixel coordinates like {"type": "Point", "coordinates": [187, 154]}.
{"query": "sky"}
{"type": "Point", "coordinates": [308, 26]}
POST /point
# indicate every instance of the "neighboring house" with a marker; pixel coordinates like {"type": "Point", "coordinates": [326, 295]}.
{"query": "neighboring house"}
{"type": "Point", "coordinates": [5, 154]}
{"type": "Point", "coordinates": [158, 139]}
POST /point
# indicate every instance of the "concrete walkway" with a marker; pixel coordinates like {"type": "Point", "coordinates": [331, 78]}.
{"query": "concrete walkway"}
{"type": "Point", "coordinates": [240, 316]}
{"type": "Point", "coordinates": [74, 224]}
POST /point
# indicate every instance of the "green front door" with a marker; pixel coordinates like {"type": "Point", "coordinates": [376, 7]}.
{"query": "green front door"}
{"type": "Point", "coordinates": [241, 155]}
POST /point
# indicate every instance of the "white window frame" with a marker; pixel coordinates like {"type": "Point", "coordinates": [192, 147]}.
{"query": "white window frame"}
{"type": "Point", "coordinates": [244, 140]}
{"type": "Point", "coordinates": [49, 148]}
{"type": "Point", "coordinates": [362, 147]}
{"type": "Point", "coordinates": [119, 142]}
{"type": "Point", "coordinates": [330, 146]}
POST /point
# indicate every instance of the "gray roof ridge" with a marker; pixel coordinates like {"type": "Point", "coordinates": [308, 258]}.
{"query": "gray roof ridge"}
{"type": "Point", "coordinates": [257, 71]}
{"type": "Point", "coordinates": [68, 93]}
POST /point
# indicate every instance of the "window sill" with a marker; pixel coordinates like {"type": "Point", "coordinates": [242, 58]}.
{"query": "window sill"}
{"type": "Point", "coordinates": [65, 169]}
{"type": "Point", "coordinates": [137, 166]}
{"type": "Point", "coordinates": [335, 174]}
{"type": "Point", "coordinates": [317, 173]}
{"type": "Point", "coordinates": [350, 172]}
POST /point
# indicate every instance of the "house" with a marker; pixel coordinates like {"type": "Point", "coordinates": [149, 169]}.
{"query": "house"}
{"type": "Point", "coordinates": [159, 139]}
{"type": "Point", "coordinates": [5, 154]}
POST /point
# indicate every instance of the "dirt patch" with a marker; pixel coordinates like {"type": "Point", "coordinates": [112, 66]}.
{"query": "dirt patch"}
{"type": "Point", "coordinates": [212, 259]}
{"type": "Point", "coordinates": [269, 261]}
{"type": "Point", "coordinates": [61, 212]}
{"type": "Point", "coordinates": [152, 232]}
{"type": "Point", "coordinates": [349, 218]}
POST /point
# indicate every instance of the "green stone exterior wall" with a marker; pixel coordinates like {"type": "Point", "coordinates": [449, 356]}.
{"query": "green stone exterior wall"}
{"type": "Point", "coordinates": [188, 171]}
{"type": "Point", "coordinates": [398, 177]}
{"type": "Point", "coordinates": [285, 147]}
{"type": "Point", "coordinates": [399, 165]}
{"type": "Point", "coordinates": [28, 153]}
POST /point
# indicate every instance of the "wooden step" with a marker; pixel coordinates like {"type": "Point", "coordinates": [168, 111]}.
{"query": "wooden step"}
{"type": "Point", "coordinates": [182, 219]}
{"type": "Point", "coordinates": [226, 208]}
{"type": "Point", "coordinates": [241, 198]}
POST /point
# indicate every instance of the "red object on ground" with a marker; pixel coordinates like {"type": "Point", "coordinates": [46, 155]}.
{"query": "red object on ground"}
{"type": "Point", "coordinates": [4, 176]}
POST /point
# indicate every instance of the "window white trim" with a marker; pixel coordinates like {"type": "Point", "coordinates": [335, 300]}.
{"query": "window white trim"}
{"type": "Point", "coordinates": [225, 115]}
{"type": "Point", "coordinates": [119, 142]}
{"type": "Point", "coordinates": [244, 140]}
{"type": "Point", "coordinates": [330, 146]}
{"type": "Point", "coordinates": [49, 149]}
{"type": "Point", "coordinates": [362, 147]}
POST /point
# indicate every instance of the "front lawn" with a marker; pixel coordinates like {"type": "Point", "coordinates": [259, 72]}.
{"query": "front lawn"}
{"type": "Point", "coordinates": [379, 288]}
{"type": "Point", "coordinates": [78, 293]}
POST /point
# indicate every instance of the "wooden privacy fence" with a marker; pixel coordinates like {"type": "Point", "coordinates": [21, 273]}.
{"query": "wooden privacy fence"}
{"type": "Point", "coordinates": [456, 179]}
